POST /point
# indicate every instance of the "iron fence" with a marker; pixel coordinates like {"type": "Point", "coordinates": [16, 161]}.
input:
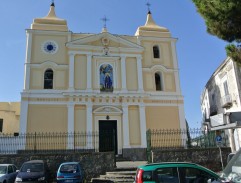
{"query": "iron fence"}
{"type": "Point", "coordinates": [184, 138]}
{"type": "Point", "coordinates": [90, 141]}
{"type": "Point", "coordinates": [49, 142]}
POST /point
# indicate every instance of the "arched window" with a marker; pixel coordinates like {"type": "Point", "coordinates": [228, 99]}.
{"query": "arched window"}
{"type": "Point", "coordinates": [106, 78]}
{"type": "Point", "coordinates": [156, 52]}
{"type": "Point", "coordinates": [48, 79]}
{"type": "Point", "coordinates": [158, 81]}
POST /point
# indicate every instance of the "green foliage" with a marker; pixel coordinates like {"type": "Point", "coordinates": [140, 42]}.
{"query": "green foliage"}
{"type": "Point", "coordinates": [222, 18]}
{"type": "Point", "coordinates": [234, 52]}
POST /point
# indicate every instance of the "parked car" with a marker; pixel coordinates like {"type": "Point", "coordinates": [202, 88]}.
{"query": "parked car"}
{"type": "Point", "coordinates": [7, 173]}
{"type": "Point", "coordinates": [232, 171]}
{"type": "Point", "coordinates": [230, 156]}
{"type": "Point", "coordinates": [33, 171]}
{"type": "Point", "coordinates": [175, 172]}
{"type": "Point", "coordinates": [70, 172]}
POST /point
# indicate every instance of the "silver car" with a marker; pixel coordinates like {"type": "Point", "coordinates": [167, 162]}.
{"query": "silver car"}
{"type": "Point", "coordinates": [7, 173]}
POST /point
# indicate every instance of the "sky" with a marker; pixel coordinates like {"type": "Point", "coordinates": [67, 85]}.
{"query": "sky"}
{"type": "Point", "coordinates": [199, 53]}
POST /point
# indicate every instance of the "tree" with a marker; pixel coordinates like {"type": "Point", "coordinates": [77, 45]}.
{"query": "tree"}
{"type": "Point", "coordinates": [223, 19]}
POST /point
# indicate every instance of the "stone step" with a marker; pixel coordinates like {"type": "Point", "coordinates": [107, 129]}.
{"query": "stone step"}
{"type": "Point", "coordinates": [121, 173]}
{"type": "Point", "coordinates": [117, 176]}
{"type": "Point", "coordinates": [125, 172]}
{"type": "Point", "coordinates": [103, 180]}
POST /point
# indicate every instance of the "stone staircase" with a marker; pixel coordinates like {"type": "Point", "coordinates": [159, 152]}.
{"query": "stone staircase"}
{"type": "Point", "coordinates": [124, 173]}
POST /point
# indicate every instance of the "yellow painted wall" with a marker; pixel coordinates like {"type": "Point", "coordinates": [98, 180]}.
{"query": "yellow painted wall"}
{"type": "Point", "coordinates": [134, 125]}
{"type": "Point", "coordinates": [38, 56]}
{"type": "Point", "coordinates": [165, 54]}
{"type": "Point", "coordinates": [80, 119]}
{"type": "Point", "coordinates": [47, 118]}
{"type": "Point", "coordinates": [10, 113]}
{"type": "Point", "coordinates": [60, 81]}
{"type": "Point", "coordinates": [162, 117]}
{"type": "Point", "coordinates": [131, 74]}
{"type": "Point", "coordinates": [148, 81]}
{"type": "Point", "coordinates": [169, 82]}
{"type": "Point", "coordinates": [80, 80]}
{"type": "Point", "coordinates": [36, 79]}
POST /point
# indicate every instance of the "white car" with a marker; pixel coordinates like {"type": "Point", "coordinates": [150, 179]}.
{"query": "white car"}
{"type": "Point", "coordinates": [8, 173]}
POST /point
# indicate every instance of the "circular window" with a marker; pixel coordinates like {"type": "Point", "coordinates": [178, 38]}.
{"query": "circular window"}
{"type": "Point", "coordinates": [50, 47]}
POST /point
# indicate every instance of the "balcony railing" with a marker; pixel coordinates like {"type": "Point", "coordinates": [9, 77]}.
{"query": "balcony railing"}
{"type": "Point", "coordinates": [226, 101]}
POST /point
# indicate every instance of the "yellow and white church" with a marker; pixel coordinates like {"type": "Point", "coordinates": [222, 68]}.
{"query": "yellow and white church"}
{"type": "Point", "coordinates": [77, 82]}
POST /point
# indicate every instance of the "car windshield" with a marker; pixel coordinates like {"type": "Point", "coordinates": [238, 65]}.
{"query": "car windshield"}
{"type": "Point", "coordinates": [32, 167]}
{"type": "Point", "coordinates": [3, 169]}
{"type": "Point", "coordinates": [69, 168]}
{"type": "Point", "coordinates": [232, 171]}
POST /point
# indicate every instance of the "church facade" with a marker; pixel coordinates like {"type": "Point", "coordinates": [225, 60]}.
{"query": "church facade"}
{"type": "Point", "coordinates": [76, 82]}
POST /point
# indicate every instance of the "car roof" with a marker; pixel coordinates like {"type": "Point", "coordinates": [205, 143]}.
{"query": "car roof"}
{"type": "Point", "coordinates": [153, 166]}
{"type": "Point", "coordinates": [34, 161]}
{"type": "Point", "coordinates": [70, 162]}
{"type": "Point", "coordinates": [6, 164]}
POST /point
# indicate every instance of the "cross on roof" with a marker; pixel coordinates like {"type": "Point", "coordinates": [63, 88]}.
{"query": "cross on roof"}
{"type": "Point", "coordinates": [104, 20]}
{"type": "Point", "coordinates": [52, 4]}
{"type": "Point", "coordinates": [148, 6]}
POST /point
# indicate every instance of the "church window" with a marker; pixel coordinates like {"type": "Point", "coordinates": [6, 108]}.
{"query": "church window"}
{"type": "Point", "coordinates": [1, 125]}
{"type": "Point", "coordinates": [48, 79]}
{"type": "Point", "coordinates": [156, 52]}
{"type": "Point", "coordinates": [106, 78]}
{"type": "Point", "coordinates": [158, 81]}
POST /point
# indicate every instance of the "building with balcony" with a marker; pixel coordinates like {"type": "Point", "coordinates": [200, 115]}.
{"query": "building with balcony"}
{"type": "Point", "coordinates": [220, 102]}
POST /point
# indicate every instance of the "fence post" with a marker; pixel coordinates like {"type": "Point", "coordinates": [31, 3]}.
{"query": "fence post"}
{"type": "Point", "coordinates": [35, 141]}
{"type": "Point", "coordinates": [148, 149]}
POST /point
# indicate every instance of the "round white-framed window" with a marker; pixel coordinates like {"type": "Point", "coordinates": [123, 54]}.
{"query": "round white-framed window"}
{"type": "Point", "coordinates": [50, 47]}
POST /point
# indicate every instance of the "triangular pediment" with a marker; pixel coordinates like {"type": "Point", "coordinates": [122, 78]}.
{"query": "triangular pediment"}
{"type": "Point", "coordinates": [107, 109]}
{"type": "Point", "coordinates": [102, 40]}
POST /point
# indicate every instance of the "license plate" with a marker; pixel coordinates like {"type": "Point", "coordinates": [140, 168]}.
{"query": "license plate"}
{"type": "Point", "coordinates": [68, 181]}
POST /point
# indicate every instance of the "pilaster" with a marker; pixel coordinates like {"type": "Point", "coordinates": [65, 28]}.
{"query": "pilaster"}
{"type": "Point", "coordinates": [143, 125]}
{"type": "Point", "coordinates": [123, 73]}
{"type": "Point", "coordinates": [89, 73]}
{"type": "Point", "coordinates": [139, 72]}
{"type": "Point", "coordinates": [27, 61]}
{"type": "Point", "coordinates": [71, 71]}
{"type": "Point", "coordinates": [70, 125]}
{"type": "Point", "coordinates": [89, 126]}
{"type": "Point", "coordinates": [126, 143]}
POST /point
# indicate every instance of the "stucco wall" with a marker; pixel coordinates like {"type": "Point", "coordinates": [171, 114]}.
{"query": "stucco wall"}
{"type": "Point", "coordinates": [80, 78]}
{"type": "Point", "coordinates": [162, 117]}
{"type": "Point", "coordinates": [134, 125]}
{"type": "Point", "coordinates": [10, 113]}
{"type": "Point", "coordinates": [38, 56]}
{"type": "Point", "coordinates": [131, 74]}
{"type": "Point", "coordinates": [47, 118]}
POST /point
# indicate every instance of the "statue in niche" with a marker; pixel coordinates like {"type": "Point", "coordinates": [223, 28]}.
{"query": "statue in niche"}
{"type": "Point", "coordinates": [106, 78]}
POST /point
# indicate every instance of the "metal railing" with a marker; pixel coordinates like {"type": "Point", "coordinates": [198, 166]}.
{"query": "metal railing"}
{"type": "Point", "coordinates": [90, 141]}
{"type": "Point", "coordinates": [187, 138]}
{"type": "Point", "coordinates": [49, 142]}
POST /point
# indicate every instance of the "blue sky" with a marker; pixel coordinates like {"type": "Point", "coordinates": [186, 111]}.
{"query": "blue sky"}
{"type": "Point", "coordinates": [199, 53]}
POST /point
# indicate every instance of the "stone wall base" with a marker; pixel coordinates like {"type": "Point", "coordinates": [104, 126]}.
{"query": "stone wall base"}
{"type": "Point", "coordinates": [134, 154]}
